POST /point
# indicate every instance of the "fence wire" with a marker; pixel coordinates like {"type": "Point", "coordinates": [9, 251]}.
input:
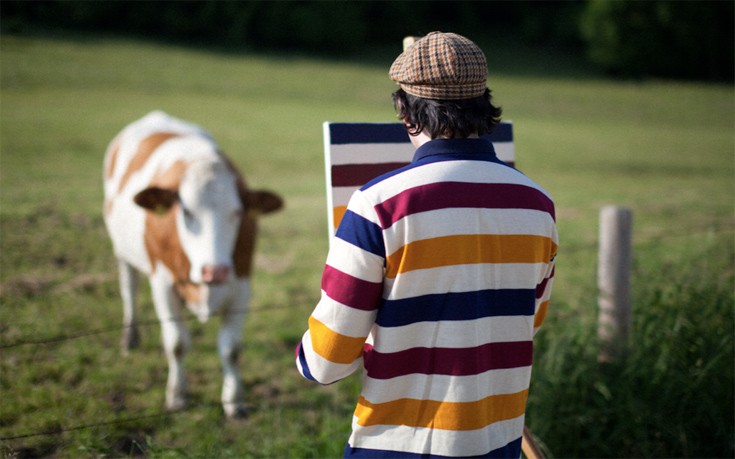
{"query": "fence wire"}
{"type": "Point", "coordinates": [571, 249]}
{"type": "Point", "coordinates": [55, 340]}
{"type": "Point", "coordinates": [62, 430]}
{"type": "Point", "coordinates": [24, 341]}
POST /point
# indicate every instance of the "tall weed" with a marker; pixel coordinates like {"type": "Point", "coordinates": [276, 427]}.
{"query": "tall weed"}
{"type": "Point", "coordinates": [671, 395]}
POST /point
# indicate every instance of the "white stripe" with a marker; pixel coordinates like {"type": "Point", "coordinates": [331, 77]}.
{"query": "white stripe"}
{"type": "Point", "coordinates": [377, 153]}
{"type": "Point", "coordinates": [344, 320]}
{"type": "Point", "coordinates": [371, 153]}
{"type": "Point", "coordinates": [454, 334]}
{"type": "Point", "coordinates": [447, 388]}
{"type": "Point", "coordinates": [434, 441]}
{"type": "Point", "coordinates": [463, 278]}
{"type": "Point", "coordinates": [449, 171]}
{"type": "Point", "coordinates": [505, 151]}
{"type": "Point", "coordinates": [355, 261]}
{"type": "Point", "coordinates": [341, 195]}
{"type": "Point", "coordinates": [360, 205]}
{"type": "Point", "coordinates": [459, 221]}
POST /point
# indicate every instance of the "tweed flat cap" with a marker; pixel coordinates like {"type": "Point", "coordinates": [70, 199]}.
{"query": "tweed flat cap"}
{"type": "Point", "coordinates": [441, 66]}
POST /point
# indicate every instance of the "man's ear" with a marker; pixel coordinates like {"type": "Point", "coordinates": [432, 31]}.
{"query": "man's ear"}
{"type": "Point", "coordinates": [262, 202]}
{"type": "Point", "coordinates": [156, 199]}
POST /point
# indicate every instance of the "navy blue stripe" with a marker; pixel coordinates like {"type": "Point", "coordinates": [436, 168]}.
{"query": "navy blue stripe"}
{"type": "Point", "coordinates": [465, 149]}
{"type": "Point", "coordinates": [457, 306]}
{"type": "Point", "coordinates": [362, 233]}
{"type": "Point", "coordinates": [304, 366]}
{"type": "Point", "coordinates": [503, 132]}
{"type": "Point", "coordinates": [346, 133]}
{"type": "Point", "coordinates": [512, 449]}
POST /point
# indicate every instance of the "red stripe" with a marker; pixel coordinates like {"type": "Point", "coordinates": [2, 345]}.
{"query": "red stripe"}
{"type": "Point", "coordinates": [360, 174]}
{"type": "Point", "coordinates": [448, 361]}
{"type": "Point", "coordinates": [541, 288]}
{"type": "Point", "coordinates": [350, 290]}
{"type": "Point", "coordinates": [460, 194]}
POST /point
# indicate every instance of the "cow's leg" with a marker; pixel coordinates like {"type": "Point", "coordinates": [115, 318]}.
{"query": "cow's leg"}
{"type": "Point", "coordinates": [175, 338]}
{"type": "Point", "coordinates": [229, 345]}
{"type": "Point", "coordinates": [128, 291]}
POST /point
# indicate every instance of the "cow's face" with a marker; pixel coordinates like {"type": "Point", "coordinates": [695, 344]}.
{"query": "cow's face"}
{"type": "Point", "coordinates": [208, 219]}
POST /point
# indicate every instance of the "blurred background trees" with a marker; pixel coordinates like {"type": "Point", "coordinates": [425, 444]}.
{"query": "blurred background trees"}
{"type": "Point", "coordinates": [666, 38]}
{"type": "Point", "coordinates": [656, 38]}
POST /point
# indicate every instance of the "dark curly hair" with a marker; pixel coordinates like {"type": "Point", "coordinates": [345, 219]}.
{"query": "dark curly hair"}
{"type": "Point", "coordinates": [447, 118]}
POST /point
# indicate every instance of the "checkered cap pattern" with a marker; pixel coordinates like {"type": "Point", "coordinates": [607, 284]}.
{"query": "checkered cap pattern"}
{"type": "Point", "coordinates": [443, 66]}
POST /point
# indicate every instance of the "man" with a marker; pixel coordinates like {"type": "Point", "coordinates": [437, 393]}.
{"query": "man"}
{"type": "Point", "coordinates": [438, 276]}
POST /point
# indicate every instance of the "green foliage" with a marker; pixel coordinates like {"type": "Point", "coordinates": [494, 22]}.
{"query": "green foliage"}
{"type": "Point", "coordinates": [315, 26]}
{"type": "Point", "coordinates": [685, 39]}
{"type": "Point", "coordinates": [675, 39]}
{"type": "Point", "coordinates": [663, 148]}
{"type": "Point", "coordinates": [672, 394]}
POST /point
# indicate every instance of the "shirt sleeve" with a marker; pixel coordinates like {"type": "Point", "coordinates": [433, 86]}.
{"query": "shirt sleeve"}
{"type": "Point", "coordinates": [351, 293]}
{"type": "Point", "coordinates": [543, 289]}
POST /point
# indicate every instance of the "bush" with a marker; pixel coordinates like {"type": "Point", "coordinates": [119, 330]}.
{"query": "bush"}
{"type": "Point", "coordinates": [683, 39]}
{"type": "Point", "coordinates": [690, 39]}
{"type": "Point", "coordinates": [673, 394]}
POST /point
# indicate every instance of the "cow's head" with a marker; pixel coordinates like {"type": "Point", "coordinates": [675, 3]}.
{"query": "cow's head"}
{"type": "Point", "coordinates": [201, 225]}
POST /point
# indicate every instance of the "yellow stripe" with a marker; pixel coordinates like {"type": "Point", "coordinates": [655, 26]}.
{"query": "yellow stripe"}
{"type": "Point", "coordinates": [540, 314]}
{"type": "Point", "coordinates": [469, 249]}
{"type": "Point", "coordinates": [333, 346]}
{"type": "Point", "coordinates": [442, 415]}
{"type": "Point", "coordinates": [338, 212]}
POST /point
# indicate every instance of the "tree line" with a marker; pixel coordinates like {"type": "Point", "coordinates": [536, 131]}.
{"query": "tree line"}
{"type": "Point", "coordinates": [659, 38]}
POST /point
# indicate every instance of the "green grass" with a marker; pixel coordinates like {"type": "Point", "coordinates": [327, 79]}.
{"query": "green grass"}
{"type": "Point", "coordinates": [664, 149]}
{"type": "Point", "coordinates": [672, 394]}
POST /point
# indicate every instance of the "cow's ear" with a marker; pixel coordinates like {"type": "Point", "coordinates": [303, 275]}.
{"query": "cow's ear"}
{"type": "Point", "coordinates": [262, 202]}
{"type": "Point", "coordinates": [156, 199]}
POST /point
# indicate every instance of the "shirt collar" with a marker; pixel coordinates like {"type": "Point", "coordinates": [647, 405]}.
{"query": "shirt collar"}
{"type": "Point", "coordinates": [475, 148]}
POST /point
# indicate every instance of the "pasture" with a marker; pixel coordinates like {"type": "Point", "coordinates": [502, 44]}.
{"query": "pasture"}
{"type": "Point", "coordinates": [664, 149]}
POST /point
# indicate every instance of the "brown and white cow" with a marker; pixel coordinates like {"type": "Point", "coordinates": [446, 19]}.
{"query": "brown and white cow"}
{"type": "Point", "coordinates": [178, 211]}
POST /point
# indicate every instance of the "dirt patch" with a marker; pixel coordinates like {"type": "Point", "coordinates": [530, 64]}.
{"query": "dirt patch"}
{"type": "Point", "coordinates": [84, 282]}
{"type": "Point", "coordinates": [26, 286]}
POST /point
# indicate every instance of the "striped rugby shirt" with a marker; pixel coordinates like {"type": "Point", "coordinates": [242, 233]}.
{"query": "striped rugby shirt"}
{"type": "Point", "coordinates": [436, 281]}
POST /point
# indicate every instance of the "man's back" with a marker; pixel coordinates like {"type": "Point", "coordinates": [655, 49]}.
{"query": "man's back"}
{"type": "Point", "coordinates": [438, 276]}
{"type": "Point", "coordinates": [466, 243]}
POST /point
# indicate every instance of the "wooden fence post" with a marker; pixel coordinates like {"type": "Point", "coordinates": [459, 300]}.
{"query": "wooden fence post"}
{"type": "Point", "coordinates": [613, 281]}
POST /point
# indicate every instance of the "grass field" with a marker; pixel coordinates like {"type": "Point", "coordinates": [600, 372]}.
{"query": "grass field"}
{"type": "Point", "coordinates": [664, 149]}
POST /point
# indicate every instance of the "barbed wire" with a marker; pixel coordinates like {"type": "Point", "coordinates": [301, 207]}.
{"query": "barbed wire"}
{"type": "Point", "coordinates": [112, 422]}
{"type": "Point", "coordinates": [100, 331]}
{"type": "Point", "coordinates": [62, 430]}
{"type": "Point", "coordinates": [251, 406]}
{"type": "Point", "coordinates": [118, 328]}
{"type": "Point", "coordinates": [69, 337]}
{"type": "Point", "coordinates": [154, 322]}
{"type": "Point", "coordinates": [715, 229]}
